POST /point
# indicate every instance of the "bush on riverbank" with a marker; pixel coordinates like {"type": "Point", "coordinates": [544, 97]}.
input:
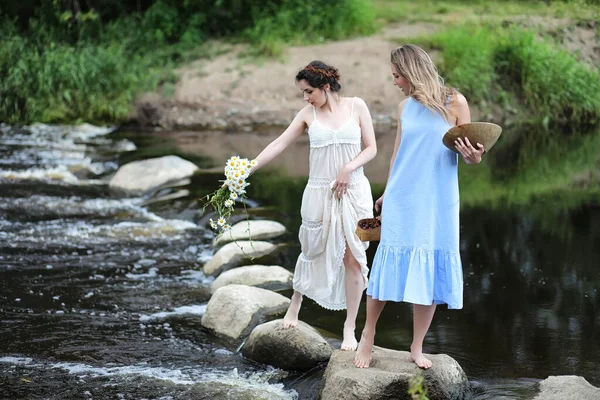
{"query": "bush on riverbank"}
{"type": "Point", "coordinates": [69, 83]}
{"type": "Point", "coordinates": [486, 62]}
{"type": "Point", "coordinates": [545, 93]}
{"type": "Point", "coordinates": [68, 61]}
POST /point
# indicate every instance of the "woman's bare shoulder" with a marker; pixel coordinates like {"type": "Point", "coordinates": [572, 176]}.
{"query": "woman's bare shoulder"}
{"type": "Point", "coordinates": [459, 108]}
{"type": "Point", "coordinates": [458, 100]}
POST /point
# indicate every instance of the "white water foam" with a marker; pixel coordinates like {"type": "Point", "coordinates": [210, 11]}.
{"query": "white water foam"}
{"type": "Point", "coordinates": [61, 231]}
{"type": "Point", "coordinates": [16, 360]}
{"type": "Point", "coordinates": [198, 310]}
{"type": "Point", "coordinates": [52, 153]}
{"type": "Point", "coordinates": [56, 174]}
{"type": "Point", "coordinates": [195, 277]}
{"type": "Point", "coordinates": [258, 381]}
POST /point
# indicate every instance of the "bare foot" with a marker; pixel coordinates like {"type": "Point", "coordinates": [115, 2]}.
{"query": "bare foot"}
{"type": "Point", "coordinates": [417, 356]}
{"type": "Point", "coordinates": [349, 343]}
{"type": "Point", "coordinates": [364, 354]}
{"type": "Point", "coordinates": [291, 316]}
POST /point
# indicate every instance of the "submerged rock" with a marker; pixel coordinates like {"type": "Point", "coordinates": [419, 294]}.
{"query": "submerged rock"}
{"type": "Point", "coordinates": [234, 254]}
{"type": "Point", "coordinates": [388, 377]}
{"type": "Point", "coordinates": [254, 229]}
{"type": "Point", "coordinates": [567, 387]}
{"type": "Point", "coordinates": [234, 310]}
{"type": "Point", "coordinates": [268, 277]}
{"type": "Point", "coordinates": [141, 176]}
{"type": "Point", "coordinates": [300, 348]}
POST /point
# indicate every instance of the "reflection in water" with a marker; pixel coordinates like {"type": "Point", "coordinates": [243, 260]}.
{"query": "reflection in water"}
{"type": "Point", "coordinates": [103, 295]}
{"type": "Point", "coordinates": [531, 291]}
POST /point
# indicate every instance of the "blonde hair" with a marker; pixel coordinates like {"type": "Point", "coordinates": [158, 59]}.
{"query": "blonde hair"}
{"type": "Point", "coordinates": [426, 85]}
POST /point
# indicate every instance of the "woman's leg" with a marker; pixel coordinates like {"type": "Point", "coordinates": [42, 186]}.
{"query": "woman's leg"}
{"type": "Point", "coordinates": [291, 316]}
{"type": "Point", "coordinates": [422, 317]}
{"type": "Point", "coordinates": [365, 347]}
{"type": "Point", "coordinates": [355, 285]}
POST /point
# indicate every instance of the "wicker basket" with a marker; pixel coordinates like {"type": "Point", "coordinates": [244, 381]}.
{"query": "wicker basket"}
{"type": "Point", "coordinates": [369, 234]}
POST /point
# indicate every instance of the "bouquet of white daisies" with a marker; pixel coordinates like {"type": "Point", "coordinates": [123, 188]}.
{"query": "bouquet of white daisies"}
{"type": "Point", "coordinates": [237, 170]}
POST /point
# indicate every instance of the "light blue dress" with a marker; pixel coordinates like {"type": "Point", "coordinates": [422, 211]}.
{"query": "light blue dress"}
{"type": "Point", "coordinates": [418, 259]}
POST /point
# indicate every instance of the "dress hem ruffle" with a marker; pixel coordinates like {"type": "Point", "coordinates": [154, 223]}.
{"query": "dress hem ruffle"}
{"type": "Point", "coordinates": [416, 275]}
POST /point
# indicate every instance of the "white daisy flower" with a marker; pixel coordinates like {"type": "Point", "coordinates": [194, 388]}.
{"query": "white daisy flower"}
{"type": "Point", "coordinates": [228, 203]}
{"type": "Point", "coordinates": [226, 227]}
{"type": "Point", "coordinates": [253, 163]}
{"type": "Point", "coordinates": [221, 221]}
{"type": "Point", "coordinates": [212, 224]}
{"type": "Point", "coordinates": [233, 196]}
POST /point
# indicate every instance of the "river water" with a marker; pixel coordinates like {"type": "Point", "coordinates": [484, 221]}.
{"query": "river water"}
{"type": "Point", "coordinates": [101, 295]}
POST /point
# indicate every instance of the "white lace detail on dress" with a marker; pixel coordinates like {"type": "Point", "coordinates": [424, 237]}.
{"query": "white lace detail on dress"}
{"type": "Point", "coordinates": [321, 183]}
{"type": "Point", "coordinates": [348, 133]}
{"type": "Point", "coordinates": [312, 225]}
{"type": "Point", "coordinates": [321, 135]}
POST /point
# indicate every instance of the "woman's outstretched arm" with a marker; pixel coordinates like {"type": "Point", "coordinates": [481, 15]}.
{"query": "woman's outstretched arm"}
{"type": "Point", "coordinates": [277, 146]}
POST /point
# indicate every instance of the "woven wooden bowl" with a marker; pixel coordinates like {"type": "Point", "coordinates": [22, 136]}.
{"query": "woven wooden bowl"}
{"type": "Point", "coordinates": [485, 133]}
{"type": "Point", "coordinates": [368, 229]}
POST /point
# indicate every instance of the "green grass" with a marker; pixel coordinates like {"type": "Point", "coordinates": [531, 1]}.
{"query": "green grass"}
{"type": "Point", "coordinates": [304, 22]}
{"type": "Point", "coordinates": [69, 83]}
{"type": "Point", "coordinates": [511, 67]}
{"type": "Point", "coordinates": [553, 83]}
{"type": "Point", "coordinates": [461, 10]}
{"type": "Point", "coordinates": [63, 66]}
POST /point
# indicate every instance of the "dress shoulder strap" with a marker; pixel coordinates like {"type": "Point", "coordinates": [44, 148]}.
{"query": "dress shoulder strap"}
{"type": "Point", "coordinates": [314, 113]}
{"type": "Point", "coordinates": [352, 108]}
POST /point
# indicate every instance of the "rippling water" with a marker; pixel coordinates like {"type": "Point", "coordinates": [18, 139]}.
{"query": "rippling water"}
{"type": "Point", "coordinates": [101, 296]}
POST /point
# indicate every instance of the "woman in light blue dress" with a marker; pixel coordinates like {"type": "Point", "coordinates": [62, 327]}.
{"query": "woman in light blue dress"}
{"type": "Point", "coordinates": [418, 259]}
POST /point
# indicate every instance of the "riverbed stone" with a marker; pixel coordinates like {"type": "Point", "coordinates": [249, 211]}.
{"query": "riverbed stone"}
{"type": "Point", "coordinates": [388, 377]}
{"type": "Point", "coordinates": [300, 348]}
{"type": "Point", "coordinates": [567, 387]}
{"type": "Point", "coordinates": [271, 277]}
{"type": "Point", "coordinates": [253, 229]}
{"type": "Point", "coordinates": [141, 176]}
{"type": "Point", "coordinates": [234, 310]}
{"type": "Point", "coordinates": [236, 253]}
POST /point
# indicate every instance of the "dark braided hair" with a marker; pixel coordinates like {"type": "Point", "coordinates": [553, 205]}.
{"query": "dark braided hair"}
{"type": "Point", "coordinates": [318, 74]}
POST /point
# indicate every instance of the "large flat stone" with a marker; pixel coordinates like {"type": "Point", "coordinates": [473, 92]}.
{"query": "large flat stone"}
{"type": "Point", "coordinates": [234, 310]}
{"type": "Point", "coordinates": [565, 387]}
{"type": "Point", "coordinates": [300, 348]}
{"type": "Point", "coordinates": [271, 277]}
{"type": "Point", "coordinates": [389, 375]}
{"type": "Point", "coordinates": [252, 230]}
{"type": "Point", "coordinates": [141, 176]}
{"type": "Point", "coordinates": [235, 254]}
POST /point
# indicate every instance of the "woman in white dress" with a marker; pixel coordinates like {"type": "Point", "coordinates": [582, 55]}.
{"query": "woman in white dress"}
{"type": "Point", "coordinates": [332, 268]}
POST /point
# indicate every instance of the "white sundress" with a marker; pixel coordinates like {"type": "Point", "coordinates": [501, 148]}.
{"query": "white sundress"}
{"type": "Point", "coordinates": [328, 223]}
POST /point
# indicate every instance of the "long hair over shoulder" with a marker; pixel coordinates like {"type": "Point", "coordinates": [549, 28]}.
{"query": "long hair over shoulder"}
{"type": "Point", "coordinates": [426, 85]}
